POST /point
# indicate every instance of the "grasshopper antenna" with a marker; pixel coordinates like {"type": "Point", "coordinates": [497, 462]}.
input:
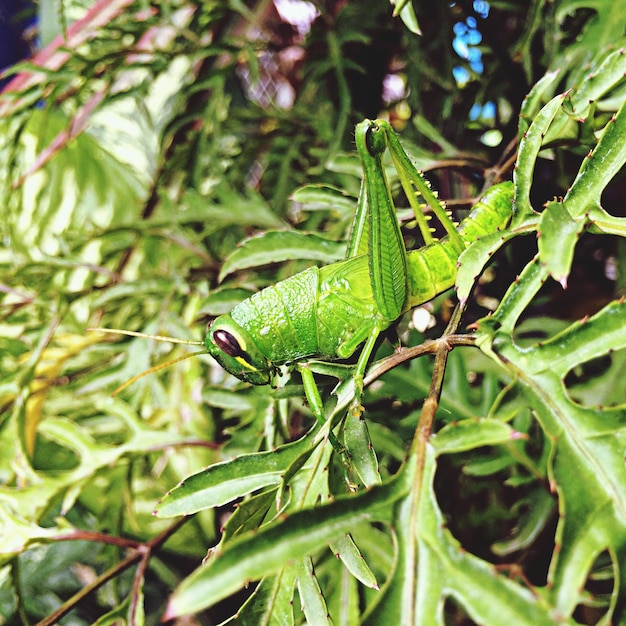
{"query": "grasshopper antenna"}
{"type": "Point", "coordinates": [156, 368]}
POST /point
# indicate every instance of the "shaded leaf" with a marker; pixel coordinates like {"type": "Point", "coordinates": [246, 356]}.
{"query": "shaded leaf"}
{"type": "Point", "coordinates": [470, 434]}
{"type": "Point", "coordinates": [315, 197]}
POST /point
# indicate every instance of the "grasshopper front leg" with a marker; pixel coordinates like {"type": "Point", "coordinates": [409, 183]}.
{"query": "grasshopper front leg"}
{"type": "Point", "coordinates": [359, 372]}
{"type": "Point", "coordinates": [316, 405]}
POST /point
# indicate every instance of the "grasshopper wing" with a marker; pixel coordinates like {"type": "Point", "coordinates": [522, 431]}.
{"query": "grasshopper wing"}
{"type": "Point", "coordinates": [386, 250]}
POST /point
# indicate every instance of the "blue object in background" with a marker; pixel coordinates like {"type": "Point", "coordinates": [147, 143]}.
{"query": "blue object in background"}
{"type": "Point", "coordinates": [16, 17]}
{"type": "Point", "coordinates": [466, 40]}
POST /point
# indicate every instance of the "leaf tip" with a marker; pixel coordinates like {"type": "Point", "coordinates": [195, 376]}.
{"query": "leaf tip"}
{"type": "Point", "coordinates": [170, 613]}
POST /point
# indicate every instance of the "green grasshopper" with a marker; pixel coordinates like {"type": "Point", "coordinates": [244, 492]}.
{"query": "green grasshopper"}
{"type": "Point", "coordinates": [328, 312]}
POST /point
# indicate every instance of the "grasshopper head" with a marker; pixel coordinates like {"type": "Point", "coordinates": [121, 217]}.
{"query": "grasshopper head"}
{"type": "Point", "coordinates": [232, 347]}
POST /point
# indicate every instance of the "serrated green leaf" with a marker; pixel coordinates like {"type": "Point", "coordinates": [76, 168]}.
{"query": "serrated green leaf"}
{"type": "Point", "coordinates": [530, 144]}
{"type": "Point", "coordinates": [516, 299]}
{"type": "Point", "coordinates": [601, 34]}
{"type": "Point", "coordinates": [586, 464]}
{"type": "Point", "coordinates": [425, 545]}
{"type": "Point", "coordinates": [224, 482]}
{"type": "Point", "coordinates": [582, 341]}
{"type": "Point", "coordinates": [249, 514]}
{"type": "Point", "coordinates": [605, 389]}
{"type": "Point", "coordinates": [311, 596]}
{"type": "Point", "coordinates": [474, 258]}
{"type": "Point", "coordinates": [277, 246]}
{"type": "Point", "coordinates": [572, 119]}
{"type": "Point", "coordinates": [251, 557]}
{"type": "Point", "coordinates": [599, 167]}
{"type": "Point", "coordinates": [588, 469]}
{"type": "Point", "coordinates": [532, 102]}
{"type": "Point", "coordinates": [558, 233]}
{"type": "Point", "coordinates": [377, 546]}
{"type": "Point", "coordinates": [362, 454]}
{"type": "Point", "coordinates": [346, 550]}
{"type": "Point", "coordinates": [272, 601]}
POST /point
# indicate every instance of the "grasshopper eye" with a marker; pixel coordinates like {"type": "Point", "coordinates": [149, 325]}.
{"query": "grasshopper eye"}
{"type": "Point", "coordinates": [228, 344]}
{"type": "Point", "coordinates": [234, 349]}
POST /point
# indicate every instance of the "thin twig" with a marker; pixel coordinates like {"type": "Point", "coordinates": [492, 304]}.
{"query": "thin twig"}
{"type": "Point", "coordinates": [141, 554]}
{"type": "Point", "coordinates": [88, 535]}
{"type": "Point", "coordinates": [431, 403]}
{"type": "Point", "coordinates": [432, 346]}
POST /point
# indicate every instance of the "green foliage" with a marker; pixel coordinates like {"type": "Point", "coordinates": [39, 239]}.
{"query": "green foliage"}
{"type": "Point", "coordinates": [150, 180]}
